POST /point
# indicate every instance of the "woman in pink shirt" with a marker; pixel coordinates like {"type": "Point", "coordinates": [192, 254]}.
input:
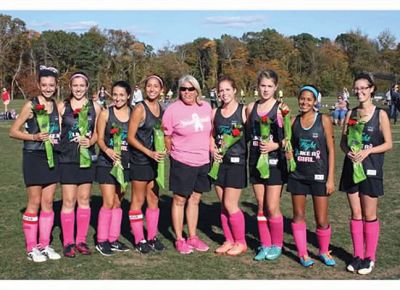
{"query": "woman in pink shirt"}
{"type": "Point", "coordinates": [187, 128]}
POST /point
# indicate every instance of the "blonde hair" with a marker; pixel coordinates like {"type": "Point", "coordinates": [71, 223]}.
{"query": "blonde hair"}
{"type": "Point", "coordinates": [190, 79]}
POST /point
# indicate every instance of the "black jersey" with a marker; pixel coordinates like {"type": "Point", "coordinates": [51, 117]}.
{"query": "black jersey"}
{"type": "Point", "coordinates": [70, 134]}
{"type": "Point", "coordinates": [145, 136]}
{"type": "Point", "coordinates": [371, 137]}
{"type": "Point", "coordinates": [255, 135]}
{"type": "Point", "coordinates": [310, 151]}
{"type": "Point", "coordinates": [32, 127]}
{"type": "Point", "coordinates": [103, 159]}
{"type": "Point", "coordinates": [237, 153]}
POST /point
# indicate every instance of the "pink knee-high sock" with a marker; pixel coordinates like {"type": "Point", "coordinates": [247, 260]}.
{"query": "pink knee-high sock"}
{"type": "Point", "coordinates": [276, 229]}
{"type": "Point", "coordinates": [103, 224]}
{"type": "Point", "coordinates": [357, 235]}
{"type": "Point", "coordinates": [300, 238]}
{"type": "Point", "coordinates": [136, 221]}
{"type": "Point", "coordinates": [371, 237]}
{"type": "Point", "coordinates": [324, 238]}
{"type": "Point", "coordinates": [46, 221]}
{"type": "Point", "coordinates": [30, 228]}
{"type": "Point", "coordinates": [67, 226]}
{"type": "Point", "coordinates": [152, 215]}
{"type": "Point", "coordinates": [115, 225]}
{"type": "Point", "coordinates": [225, 226]}
{"type": "Point", "coordinates": [263, 230]}
{"type": "Point", "coordinates": [82, 222]}
{"type": "Point", "coordinates": [237, 222]}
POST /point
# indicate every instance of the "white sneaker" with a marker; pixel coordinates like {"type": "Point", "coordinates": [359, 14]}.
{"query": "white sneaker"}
{"type": "Point", "coordinates": [36, 256]}
{"type": "Point", "coordinates": [50, 253]}
{"type": "Point", "coordinates": [366, 266]}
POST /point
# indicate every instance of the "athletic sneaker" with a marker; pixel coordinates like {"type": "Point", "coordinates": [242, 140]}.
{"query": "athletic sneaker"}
{"type": "Point", "coordinates": [224, 248]}
{"type": "Point", "coordinates": [327, 259]}
{"type": "Point", "coordinates": [83, 248]}
{"type": "Point", "coordinates": [306, 261]}
{"type": "Point", "coordinates": [143, 247]}
{"type": "Point", "coordinates": [262, 253]}
{"type": "Point", "coordinates": [273, 253]}
{"type": "Point", "coordinates": [69, 251]}
{"type": "Point", "coordinates": [117, 246]}
{"type": "Point", "coordinates": [156, 244]}
{"type": "Point", "coordinates": [354, 265]}
{"type": "Point", "coordinates": [104, 248]}
{"type": "Point", "coordinates": [50, 253]}
{"type": "Point", "coordinates": [197, 244]}
{"type": "Point", "coordinates": [182, 247]}
{"type": "Point", "coordinates": [366, 266]}
{"type": "Point", "coordinates": [36, 256]}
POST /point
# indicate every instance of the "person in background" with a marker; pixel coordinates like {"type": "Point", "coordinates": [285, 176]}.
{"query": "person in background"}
{"type": "Point", "coordinates": [363, 196]}
{"type": "Point", "coordinates": [345, 94]}
{"type": "Point", "coordinates": [213, 98]}
{"type": "Point", "coordinates": [40, 180]}
{"type": "Point", "coordinates": [340, 111]}
{"type": "Point", "coordinates": [102, 97]}
{"type": "Point", "coordinates": [187, 127]}
{"type": "Point", "coordinates": [137, 96]}
{"type": "Point", "coordinates": [5, 97]}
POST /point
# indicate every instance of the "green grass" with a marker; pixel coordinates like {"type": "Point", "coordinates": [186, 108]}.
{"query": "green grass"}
{"type": "Point", "coordinates": [170, 265]}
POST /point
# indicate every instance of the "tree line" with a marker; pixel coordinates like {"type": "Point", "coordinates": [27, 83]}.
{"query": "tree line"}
{"type": "Point", "coordinates": [108, 55]}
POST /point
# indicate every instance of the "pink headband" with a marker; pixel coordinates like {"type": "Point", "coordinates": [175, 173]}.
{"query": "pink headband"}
{"type": "Point", "coordinates": [157, 78]}
{"type": "Point", "coordinates": [79, 76]}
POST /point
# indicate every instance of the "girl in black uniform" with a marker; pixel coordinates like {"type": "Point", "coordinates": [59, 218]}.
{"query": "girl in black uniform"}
{"type": "Point", "coordinates": [363, 196]}
{"type": "Point", "coordinates": [40, 179]}
{"type": "Point", "coordinates": [143, 171]}
{"type": "Point", "coordinates": [76, 182]}
{"type": "Point", "coordinates": [267, 191]}
{"type": "Point", "coordinates": [110, 215]}
{"type": "Point", "coordinates": [314, 153]}
{"type": "Point", "coordinates": [232, 175]}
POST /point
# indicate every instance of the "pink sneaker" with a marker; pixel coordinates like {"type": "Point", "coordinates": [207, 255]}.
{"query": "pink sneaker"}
{"type": "Point", "coordinates": [197, 244]}
{"type": "Point", "coordinates": [182, 247]}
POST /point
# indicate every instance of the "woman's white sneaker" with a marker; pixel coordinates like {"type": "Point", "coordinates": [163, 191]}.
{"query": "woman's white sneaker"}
{"type": "Point", "coordinates": [50, 253]}
{"type": "Point", "coordinates": [36, 256]}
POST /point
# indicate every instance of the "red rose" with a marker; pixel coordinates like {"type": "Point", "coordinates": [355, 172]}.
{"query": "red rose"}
{"type": "Point", "coordinates": [114, 131]}
{"type": "Point", "coordinates": [77, 111]}
{"type": "Point", "coordinates": [264, 119]}
{"type": "Point", "coordinates": [352, 122]}
{"type": "Point", "coordinates": [39, 107]}
{"type": "Point", "coordinates": [236, 132]}
{"type": "Point", "coordinates": [285, 112]}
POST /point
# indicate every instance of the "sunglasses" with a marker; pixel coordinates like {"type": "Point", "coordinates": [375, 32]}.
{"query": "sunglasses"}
{"type": "Point", "coordinates": [183, 89]}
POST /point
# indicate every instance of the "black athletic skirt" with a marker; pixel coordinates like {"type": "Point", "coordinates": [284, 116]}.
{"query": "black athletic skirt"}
{"type": "Point", "coordinates": [36, 169]}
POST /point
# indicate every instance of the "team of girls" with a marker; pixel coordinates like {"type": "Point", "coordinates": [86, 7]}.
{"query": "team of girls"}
{"type": "Point", "coordinates": [194, 132]}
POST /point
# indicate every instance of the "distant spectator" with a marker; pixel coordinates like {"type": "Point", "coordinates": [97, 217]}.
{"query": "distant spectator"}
{"type": "Point", "coordinates": [101, 97]}
{"type": "Point", "coordinates": [319, 100]}
{"type": "Point", "coordinates": [345, 94]}
{"type": "Point", "coordinates": [393, 98]}
{"type": "Point", "coordinates": [213, 98]}
{"type": "Point", "coordinates": [137, 96]}
{"type": "Point", "coordinates": [340, 111]}
{"type": "Point", "coordinates": [5, 96]}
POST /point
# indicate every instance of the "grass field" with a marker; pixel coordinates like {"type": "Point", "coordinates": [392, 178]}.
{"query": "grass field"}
{"type": "Point", "coordinates": [171, 265]}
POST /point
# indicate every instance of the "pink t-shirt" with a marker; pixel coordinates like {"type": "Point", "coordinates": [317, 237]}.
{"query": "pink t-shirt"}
{"type": "Point", "coordinates": [190, 131]}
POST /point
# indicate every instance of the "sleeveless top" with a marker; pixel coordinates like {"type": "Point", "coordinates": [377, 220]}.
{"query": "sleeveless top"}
{"type": "Point", "coordinates": [32, 127]}
{"type": "Point", "coordinates": [70, 134]}
{"type": "Point", "coordinates": [371, 137]}
{"type": "Point", "coordinates": [238, 152]}
{"type": "Point", "coordinates": [144, 135]}
{"type": "Point", "coordinates": [310, 151]}
{"type": "Point", "coordinates": [277, 135]}
{"type": "Point", "coordinates": [103, 159]}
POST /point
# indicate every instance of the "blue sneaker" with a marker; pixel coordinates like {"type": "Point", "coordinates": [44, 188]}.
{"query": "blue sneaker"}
{"type": "Point", "coordinates": [306, 261]}
{"type": "Point", "coordinates": [327, 259]}
{"type": "Point", "coordinates": [273, 253]}
{"type": "Point", "coordinates": [262, 253]}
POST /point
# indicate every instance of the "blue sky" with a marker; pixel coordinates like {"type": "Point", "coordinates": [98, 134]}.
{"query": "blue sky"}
{"type": "Point", "coordinates": [161, 28]}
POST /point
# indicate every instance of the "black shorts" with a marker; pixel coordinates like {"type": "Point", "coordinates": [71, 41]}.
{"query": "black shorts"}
{"type": "Point", "coordinates": [184, 179]}
{"type": "Point", "coordinates": [232, 175]}
{"type": "Point", "coordinates": [372, 187]}
{"type": "Point", "coordinates": [146, 172]}
{"type": "Point", "coordinates": [36, 169]}
{"type": "Point", "coordinates": [71, 173]}
{"type": "Point", "coordinates": [103, 175]}
{"type": "Point", "coordinates": [304, 187]}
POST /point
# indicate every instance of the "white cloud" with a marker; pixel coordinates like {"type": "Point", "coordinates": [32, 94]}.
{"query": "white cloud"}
{"type": "Point", "coordinates": [234, 21]}
{"type": "Point", "coordinates": [79, 26]}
